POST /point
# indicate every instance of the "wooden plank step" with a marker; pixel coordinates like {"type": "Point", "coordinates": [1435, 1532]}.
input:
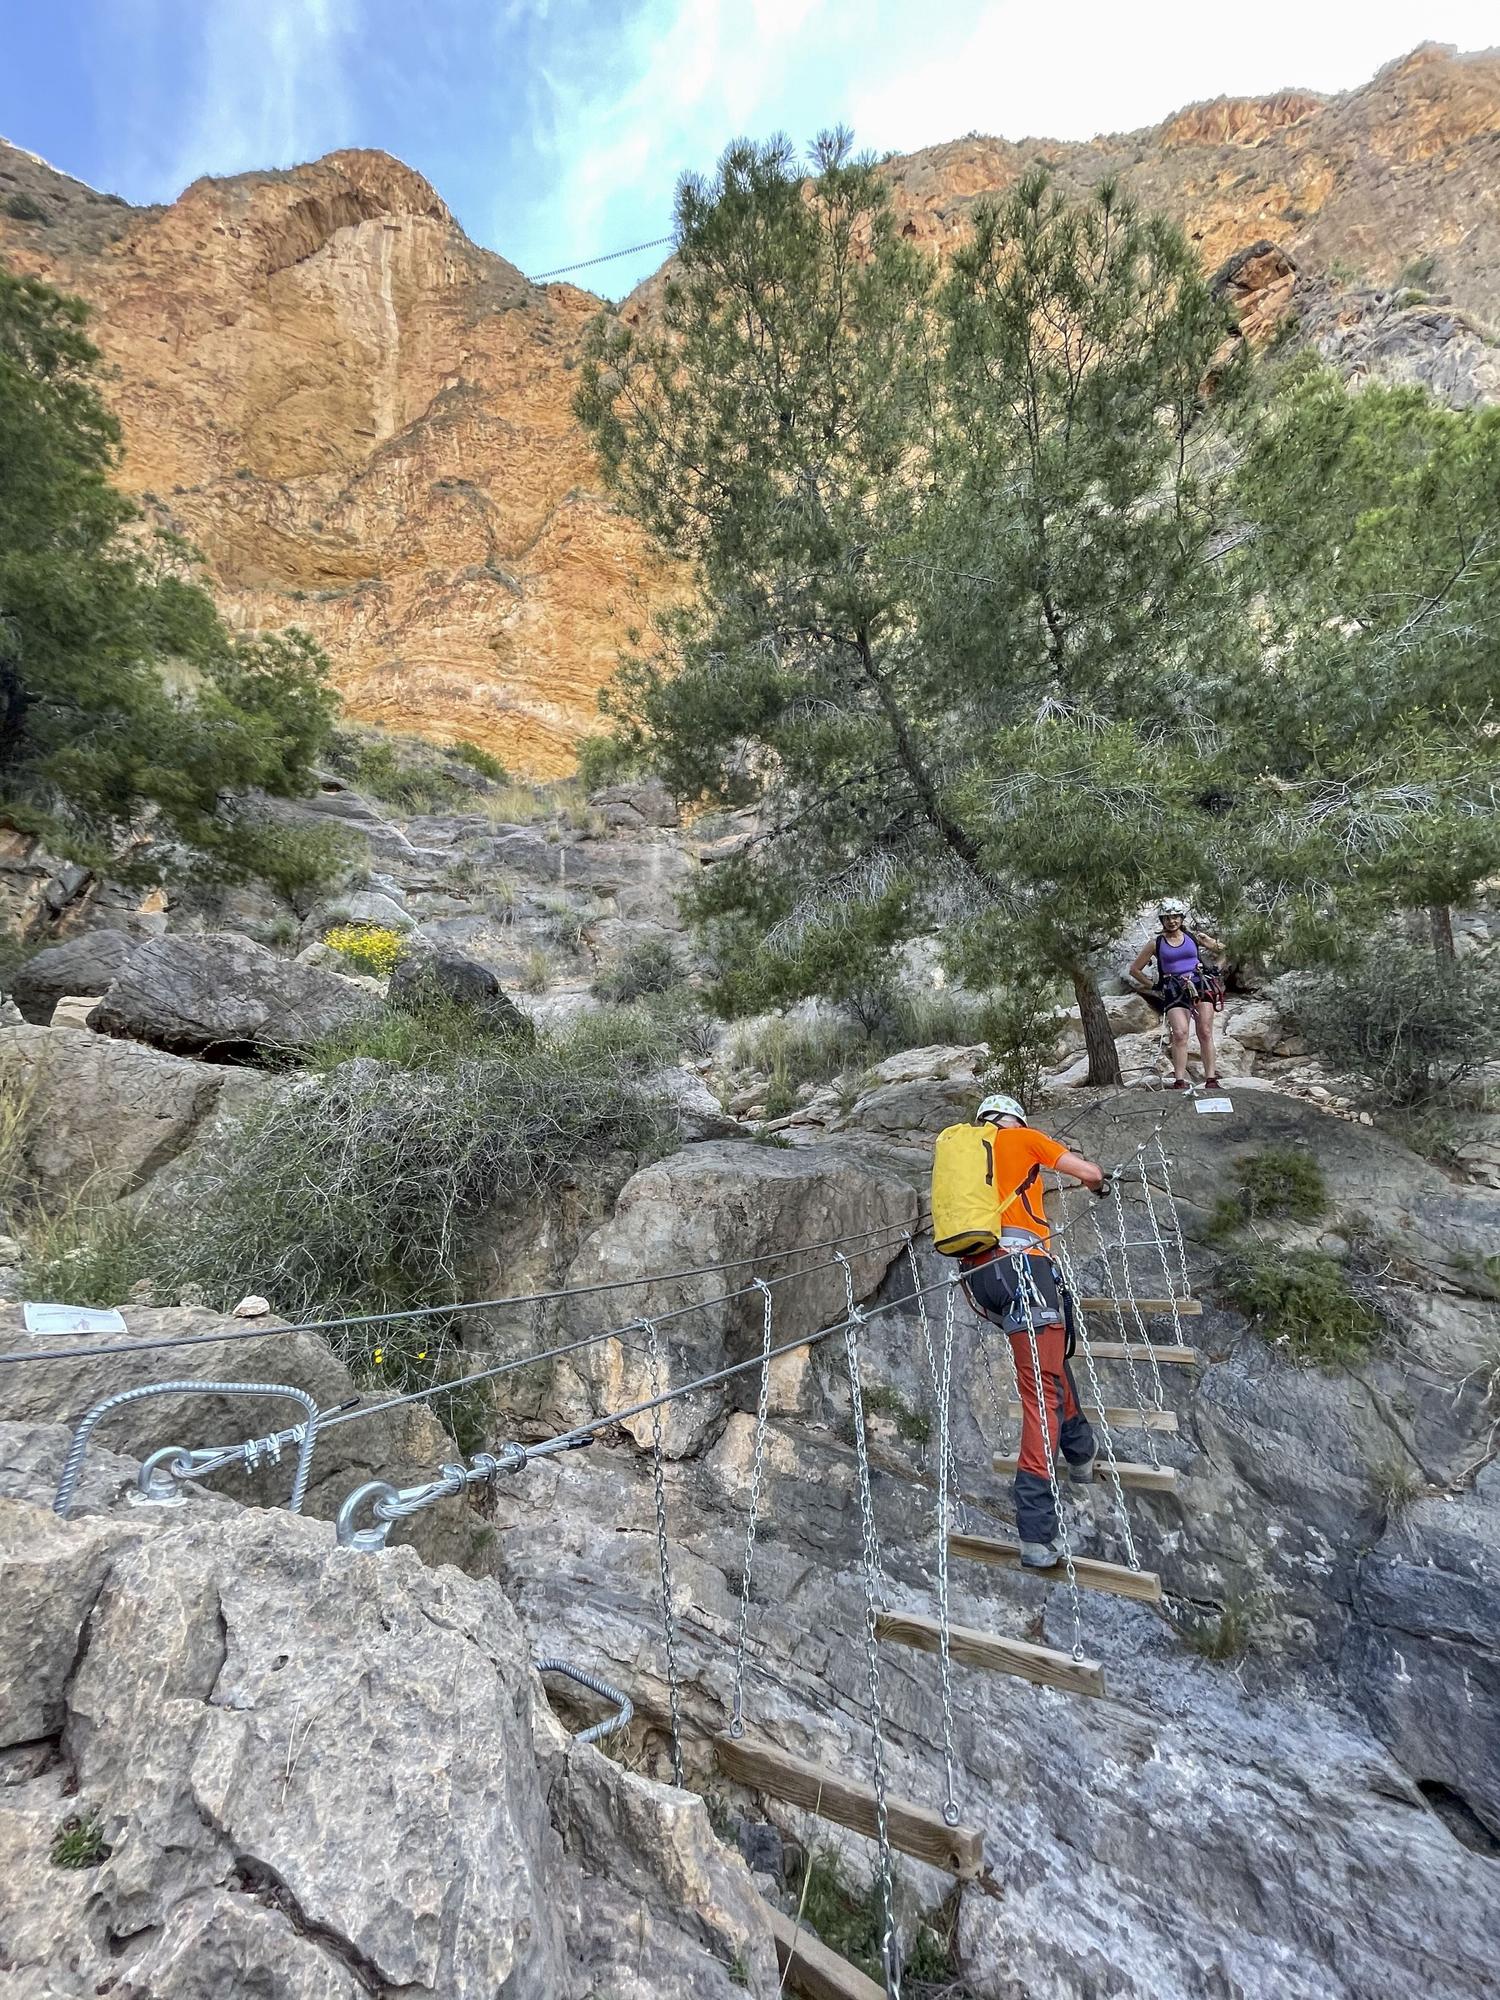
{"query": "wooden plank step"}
{"type": "Point", "coordinates": [808, 1967]}
{"type": "Point", "coordinates": [1122, 1419]}
{"type": "Point", "coordinates": [1186, 1308]}
{"type": "Point", "coordinates": [1141, 1584]}
{"type": "Point", "coordinates": [1040, 1664]}
{"type": "Point", "coordinates": [1138, 1350]}
{"type": "Point", "coordinates": [1145, 1478]}
{"type": "Point", "coordinates": [912, 1828]}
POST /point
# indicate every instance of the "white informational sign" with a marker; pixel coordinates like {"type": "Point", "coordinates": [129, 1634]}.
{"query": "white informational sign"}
{"type": "Point", "coordinates": [1213, 1106]}
{"type": "Point", "coordinates": [73, 1319]}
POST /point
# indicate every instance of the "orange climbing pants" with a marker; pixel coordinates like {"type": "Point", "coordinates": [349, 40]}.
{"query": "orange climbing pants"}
{"type": "Point", "coordinates": [1049, 1414]}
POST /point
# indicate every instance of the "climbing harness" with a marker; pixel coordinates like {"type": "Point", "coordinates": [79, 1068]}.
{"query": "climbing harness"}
{"type": "Point", "coordinates": [663, 1553]}
{"type": "Point", "coordinates": [870, 1552]}
{"type": "Point", "coordinates": [757, 1459]}
{"type": "Point", "coordinates": [162, 1473]}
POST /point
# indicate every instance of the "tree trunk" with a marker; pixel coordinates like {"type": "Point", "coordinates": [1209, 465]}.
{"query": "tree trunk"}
{"type": "Point", "coordinates": [1441, 918]}
{"type": "Point", "coordinates": [1098, 1039]}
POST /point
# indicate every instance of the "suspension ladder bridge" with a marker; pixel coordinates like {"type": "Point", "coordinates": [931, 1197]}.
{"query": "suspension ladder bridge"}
{"type": "Point", "coordinates": [1143, 1333]}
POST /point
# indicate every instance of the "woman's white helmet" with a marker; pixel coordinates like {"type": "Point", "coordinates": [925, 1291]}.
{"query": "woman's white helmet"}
{"type": "Point", "coordinates": [997, 1107]}
{"type": "Point", "coordinates": [1172, 906]}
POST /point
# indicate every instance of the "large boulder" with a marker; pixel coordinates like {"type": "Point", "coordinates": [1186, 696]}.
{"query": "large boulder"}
{"type": "Point", "coordinates": [223, 997]}
{"type": "Point", "coordinates": [88, 964]}
{"type": "Point", "coordinates": [323, 1775]}
{"type": "Point", "coordinates": [448, 978]}
{"type": "Point", "coordinates": [101, 1114]}
{"type": "Point", "coordinates": [729, 1201]}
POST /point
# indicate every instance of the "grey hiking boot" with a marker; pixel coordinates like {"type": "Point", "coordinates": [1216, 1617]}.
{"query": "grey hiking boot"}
{"type": "Point", "coordinates": [1040, 1555]}
{"type": "Point", "coordinates": [1082, 1474]}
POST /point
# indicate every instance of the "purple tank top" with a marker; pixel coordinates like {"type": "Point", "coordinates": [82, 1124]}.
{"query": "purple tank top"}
{"type": "Point", "coordinates": [1176, 960]}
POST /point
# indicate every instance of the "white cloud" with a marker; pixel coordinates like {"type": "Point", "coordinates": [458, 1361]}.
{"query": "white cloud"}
{"type": "Point", "coordinates": [615, 118]}
{"type": "Point", "coordinates": [234, 85]}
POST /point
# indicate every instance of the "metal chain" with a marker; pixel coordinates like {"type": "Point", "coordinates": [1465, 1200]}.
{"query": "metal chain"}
{"type": "Point", "coordinates": [1119, 1314]}
{"type": "Point", "coordinates": [1023, 1289]}
{"type": "Point", "coordinates": [1116, 1484]}
{"type": "Point", "coordinates": [950, 1788]}
{"type": "Point", "coordinates": [1182, 1283]}
{"type": "Point", "coordinates": [923, 1320]}
{"type": "Point", "coordinates": [663, 1554]}
{"type": "Point", "coordinates": [1117, 1203]}
{"type": "Point", "coordinates": [737, 1714]}
{"type": "Point", "coordinates": [870, 1553]}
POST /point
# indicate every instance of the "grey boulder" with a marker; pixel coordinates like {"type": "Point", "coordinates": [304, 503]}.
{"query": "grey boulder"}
{"type": "Point", "coordinates": [448, 978]}
{"type": "Point", "coordinates": [222, 997]}
{"type": "Point", "coordinates": [87, 964]}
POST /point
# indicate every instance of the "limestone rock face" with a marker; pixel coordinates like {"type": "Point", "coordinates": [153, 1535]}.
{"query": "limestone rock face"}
{"type": "Point", "coordinates": [323, 1775]}
{"type": "Point", "coordinates": [728, 1199]}
{"type": "Point", "coordinates": [223, 997]}
{"type": "Point", "coordinates": [364, 420]}
{"type": "Point", "coordinates": [102, 1114]}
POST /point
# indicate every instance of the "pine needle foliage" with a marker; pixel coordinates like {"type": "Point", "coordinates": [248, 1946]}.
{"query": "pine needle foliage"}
{"type": "Point", "coordinates": [945, 534]}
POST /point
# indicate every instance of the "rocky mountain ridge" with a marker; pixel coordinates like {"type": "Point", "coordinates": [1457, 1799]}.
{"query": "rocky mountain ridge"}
{"type": "Point", "coordinates": [364, 419]}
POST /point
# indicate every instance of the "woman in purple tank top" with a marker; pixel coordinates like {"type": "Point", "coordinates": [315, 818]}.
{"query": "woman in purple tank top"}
{"type": "Point", "coordinates": [1186, 990]}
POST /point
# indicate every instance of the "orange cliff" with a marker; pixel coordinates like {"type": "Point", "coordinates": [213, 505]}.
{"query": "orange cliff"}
{"type": "Point", "coordinates": [364, 420]}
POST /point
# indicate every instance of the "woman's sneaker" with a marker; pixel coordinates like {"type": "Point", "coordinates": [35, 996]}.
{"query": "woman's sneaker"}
{"type": "Point", "coordinates": [1040, 1555]}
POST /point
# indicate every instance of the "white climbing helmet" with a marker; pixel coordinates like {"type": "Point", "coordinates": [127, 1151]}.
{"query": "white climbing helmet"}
{"type": "Point", "coordinates": [1172, 906]}
{"type": "Point", "coordinates": [997, 1107]}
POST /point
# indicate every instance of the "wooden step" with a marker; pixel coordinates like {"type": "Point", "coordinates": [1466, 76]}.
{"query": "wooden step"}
{"type": "Point", "coordinates": [1186, 1308]}
{"type": "Point", "coordinates": [1140, 1584]}
{"type": "Point", "coordinates": [1041, 1664]}
{"type": "Point", "coordinates": [1138, 1350]}
{"type": "Point", "coordinates": [1122, 1419]}
{"type": "Point", "coordinates": [808, 1967]}
{"type": "Point", "coordinates": [913, 1829]}
{"type": "Point", "coordinates": [1145, 1478]}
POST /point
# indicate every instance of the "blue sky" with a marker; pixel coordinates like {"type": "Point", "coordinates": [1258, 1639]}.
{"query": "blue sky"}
{"type": "Point", "coordinates": [557, 128]}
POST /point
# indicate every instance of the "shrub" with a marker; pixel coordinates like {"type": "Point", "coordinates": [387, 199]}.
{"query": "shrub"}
{"type": "Point", "coordinates": [21, 207]}
{"type": "Point", "coordinates": [369, 948]}
{"type": "Point", "coordinates": [647, 966]}
{"type": "Point", "coordinates": [403, 775]}
{"type": "Point", "coordinates": [298, 862]}
{"type": "Point", "coordinates": [606, 760]}
{"type": "Point", "coordinates": [536, 972]}
{"type": "Point", "coordinates": [1301, 1300]}
{"type": "Point", "coordinates": [479, 759]}
{"type": "Point", "coordinates": [1280, 1183]}
{"type": "Point", "coordinates": [1019, 1025]}
{"type": "Point", "coordinates": [87, 1253]}
{"type": "Point", "coordinates": [354, 1189]}
{"type": "Point", "coordinates": [1410, 1029]}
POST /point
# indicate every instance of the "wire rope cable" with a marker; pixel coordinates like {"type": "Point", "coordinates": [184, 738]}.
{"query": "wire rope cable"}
{"type": "Point", "coordinates": [757, 1460]}
{"type": "Point", "coordinates": [663, 1551]}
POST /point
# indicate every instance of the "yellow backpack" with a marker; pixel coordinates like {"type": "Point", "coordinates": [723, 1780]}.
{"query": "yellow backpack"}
{"type": "Point", "coordinates": [966, 1204]}
{"type": "Point", "coordinates": [965, 1201]}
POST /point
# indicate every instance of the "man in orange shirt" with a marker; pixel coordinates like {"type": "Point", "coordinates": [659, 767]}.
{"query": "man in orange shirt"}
{"type": "Point", "coordinates": [993, 1279]}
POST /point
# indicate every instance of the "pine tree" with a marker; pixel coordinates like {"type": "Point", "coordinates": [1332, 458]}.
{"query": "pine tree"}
{"type": "Point", "coordinates": [1374, 524]}
{"type": "Point", "coordinates": [948, 545]}
{"type": "Point", "coordinates": [93, 610]}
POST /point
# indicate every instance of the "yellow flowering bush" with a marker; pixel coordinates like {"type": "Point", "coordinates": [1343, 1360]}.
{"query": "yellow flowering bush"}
{"type": "Point", "coordinates": [371, 948]}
